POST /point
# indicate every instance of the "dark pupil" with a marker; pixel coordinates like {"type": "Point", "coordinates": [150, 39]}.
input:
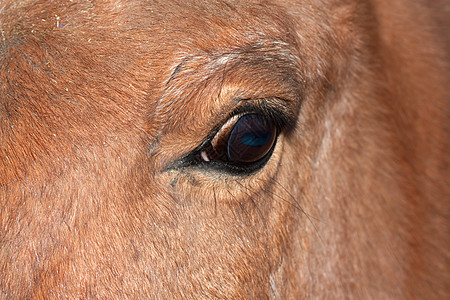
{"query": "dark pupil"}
{"type": "Point", "coordinates": [251, 139]}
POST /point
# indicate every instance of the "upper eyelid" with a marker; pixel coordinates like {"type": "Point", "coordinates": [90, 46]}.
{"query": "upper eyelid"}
{"type": "Point", "coordinates": [277, 113]}
{"type": "Point", "coordinates": [275, 108]}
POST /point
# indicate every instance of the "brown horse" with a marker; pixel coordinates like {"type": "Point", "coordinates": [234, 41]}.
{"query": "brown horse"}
{"type": "Point", "coordinates": [224, 149]}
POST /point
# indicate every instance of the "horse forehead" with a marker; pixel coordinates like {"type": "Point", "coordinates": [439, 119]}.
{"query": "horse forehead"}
{"type": "Point", "coordinates": [192, 47]}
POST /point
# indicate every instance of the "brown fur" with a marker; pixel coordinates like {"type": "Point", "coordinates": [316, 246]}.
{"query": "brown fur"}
{"type": "Point", "coordinates": [97, 98]}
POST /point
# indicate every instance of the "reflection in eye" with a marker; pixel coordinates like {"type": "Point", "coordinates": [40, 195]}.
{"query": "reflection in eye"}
{"type": "Point", "coordinates": [250, 139]}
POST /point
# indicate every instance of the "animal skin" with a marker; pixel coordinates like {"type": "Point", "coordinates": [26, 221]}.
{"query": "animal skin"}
{"type": "Point", "coordinates": [108, 188]}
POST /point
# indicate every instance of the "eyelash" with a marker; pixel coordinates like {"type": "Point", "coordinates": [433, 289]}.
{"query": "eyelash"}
{"type": "Point", "coordinates": [206, 155]}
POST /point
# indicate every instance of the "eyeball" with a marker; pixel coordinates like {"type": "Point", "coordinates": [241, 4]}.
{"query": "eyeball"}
{"type": "Point", "coordinates": [251, 139]}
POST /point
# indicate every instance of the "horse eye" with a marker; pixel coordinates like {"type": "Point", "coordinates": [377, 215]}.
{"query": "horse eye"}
{"type": "Point", "coordinates": [241, 146]}
{"type": "Point", "coordinates": [251, 139]}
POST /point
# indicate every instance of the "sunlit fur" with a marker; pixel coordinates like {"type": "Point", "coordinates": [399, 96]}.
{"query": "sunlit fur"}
{"type": "Point", "coordinates": [98, 98]}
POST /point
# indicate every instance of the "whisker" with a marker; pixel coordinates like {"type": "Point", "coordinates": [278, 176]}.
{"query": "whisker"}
{"type": "Point", "coordinates": [253, 202]}
{"type": "Point", "coordinates": [298, 206]}
{"type": "Point", "coordinates": [235, 199]}
{"type": "Point", "coordinates": [240, 203]}
{"type": "Point", "coordinates": [266, 231]}
{"type": "Point", "coordinates": [215, 202]}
